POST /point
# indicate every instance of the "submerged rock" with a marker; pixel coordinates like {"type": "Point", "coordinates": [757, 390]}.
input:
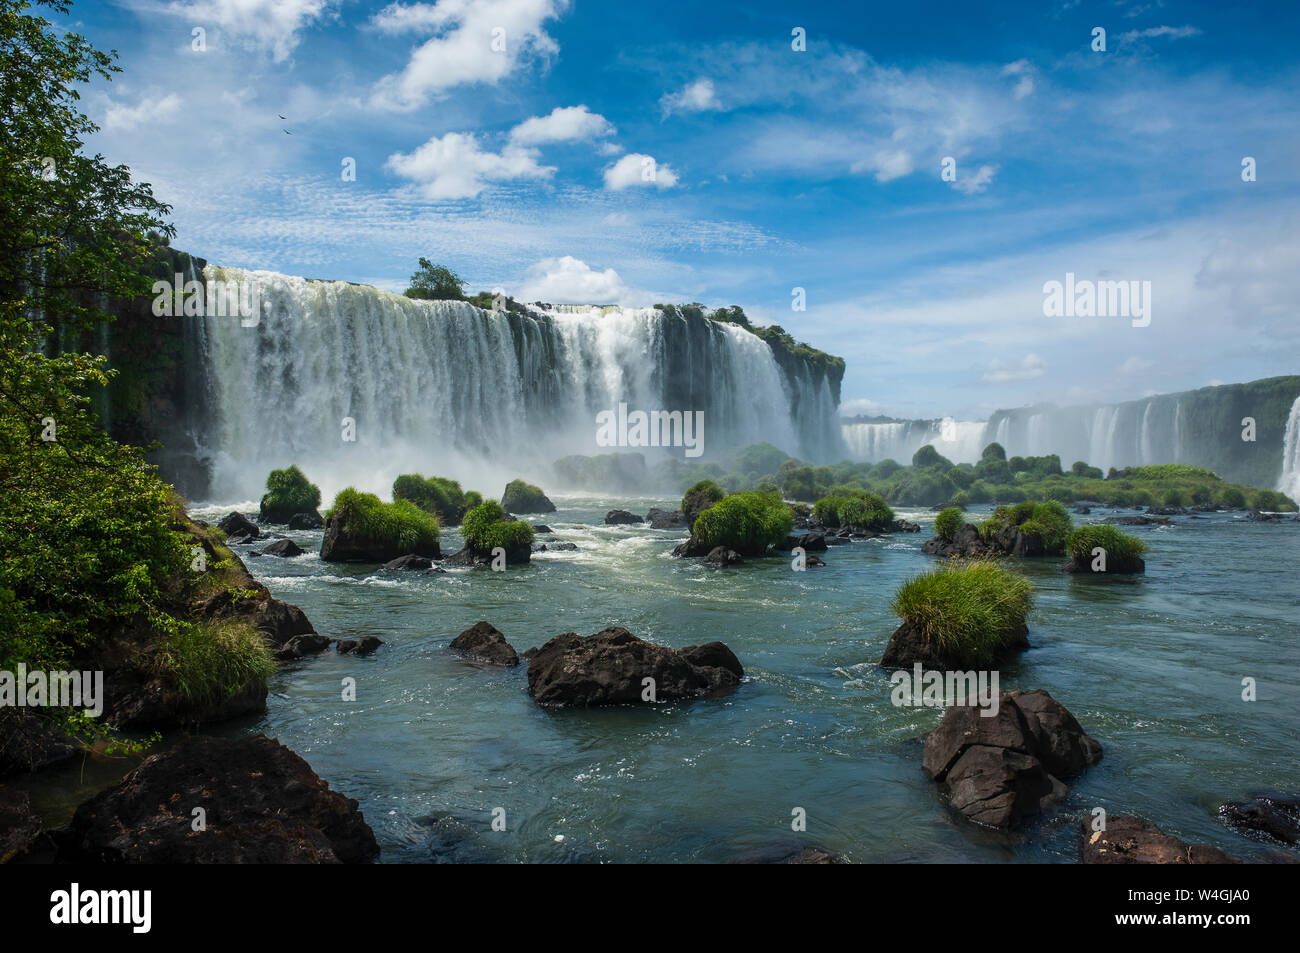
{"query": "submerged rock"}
{"type": "Point", "coordinates": [722, 556]}
{"type": "Point", "coordinates": [1114, 567]}
{"type": "Point", "coordinates": [362, 646]}
{"type": "Point", "coordinates": [998, 771]}
{"type": "Point", "coordinates": [692, 547]}
{"type": "Point", "coordinates": [1138, 520]}
{"type": "Point", "coordinates": [485, 642]}
{"type": "Point", "coordinates": [791, 854]}
{"type": "Point", "coordinates": [467, 556]}
{"type": "Point", "coordinates": [1277, 817]}
{"type": "Point", "coordinates": [300, 646]}
{"type": "Point", "coordinates": [541, 528]}
{"type": "Point", "coordinates": [1129, 839]}
{"type": "Point", "coordinates": [262, 804]}
{"type": "Point", "coordinates": [909, 645]}
{"type": "Point", "coordinates": [622, 518]}
{"type": "Point", "coordinates": [608, 668]}
{"type": "Point", "coordinates": [410, 561]}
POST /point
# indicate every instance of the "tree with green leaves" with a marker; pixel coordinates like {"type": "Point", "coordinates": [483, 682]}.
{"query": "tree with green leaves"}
{"type": "Point", "coordinates": [436, 282]}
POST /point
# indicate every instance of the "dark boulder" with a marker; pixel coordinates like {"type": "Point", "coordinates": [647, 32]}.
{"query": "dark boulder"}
{"type": "Point", "coordinates": [1138, 520]}
{"type": "Point", "coordinates": [239, 526]}
{"type": "Point", "coordinates": [1277, 817]}
{"type": "Point", "coordinates": [409, 561]}
{"type": "Point", "coordinates": [29, 741]}
{"type": "Point", "coordinates": [280, 621]}
{"type": "Point", "coordinates": [485, 642]}
{"type": "Point", "coordinates": [567, 547]}
{"type": "Point", "coordinates": [1000, 770]}
{"type": "Point", "coordinates": [904, 526]}
{"type": "Point", "coordinates": [713, 655]}
{"type": "Point", "coordinates": [608, 668]}
{"type": "Point", "coordinates": [965, 542]}
{"type": "Point", "coordinates": [310, 520]}
{"type": "Point", "coordinates": [692, 547]}
{"type": "Point", "coordinates": [1167, 511]}
{"type": "Point", "coordinates": [362, 646]}
{"type": "Point", "coordinates": [520, 498]}
{"type": "Point", "coordinates": [1114, 567]}
{"type": "Point", "coordinates": [467, 556]}
{"type": "Point", "coordinates": [622, 518]}
{"type": "Point", "coordinates": [693, 504]}
{"type": "Point", "coordinates": [542, 528]}
{"type": "Point", "coordinates": [1128, 839]}
{"type": "Point", "coordinates": [722, 556]}
{"type": "Point", "coordinates": [283, 547]}
{"type": "Point", "coordinates": [791, 854]}
{"type": "Point", "coordinates": [300, 646]}
{"type": "Point", "coordinates": [909, 645]}
{"type": "Point", "coordinates": [262, 804]}
{"type": "Point", "coordinates": [665, 519]}
{"type": "Point", "coordinates": [342, 546]}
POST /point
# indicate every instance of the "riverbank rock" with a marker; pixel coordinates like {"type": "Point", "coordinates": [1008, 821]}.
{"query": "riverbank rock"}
{"type": "Point", "coordinates": [238, 526]}
{"type": "Point", "coordinates": [483, 641]}
{"type": "Point", "coordinates": [1278, 817]}
{"type": "Point", "coordinates": [283, 547]}
{"type": "Point", "coordinates": [666, 519]}
{"type": "Point", "coordinates": [1129, 839]}
{"type": "Point", "coordinates": [300, 646]}
{"type": "Point", "coordinates": [409, 561]}
{"type": "Point", "coordinates": [1114, 567]}
{"type": "Point", "coordinates": [608, 668]}
{"type": "Point", "coordinates": [622, 518]}
{"type": "Point", "coordinates": [692, 547]}
{"type": "Point", "coordinates": [262, 804]}
{"type": "Point", "coordinates": [30, 743]}
{"type": "Point", "coordinates": [904, 526]}
{"type": "Point", "coordinates": [965, 542]}
{"type": "Point", "coordinates": [1001, 770]}
{"type": "Point", "coordinates": [909, 645]}
{"type": "Point", "coordinates": [343, 546]}
{"type": "Point", "coordinates": [362, 646]}
{"type": "Point", "coordinates": [19, 828]}
{"type": "Point", "coordinates": [311, 520]}
{"type": "Point", "coordinates": [693, 504]}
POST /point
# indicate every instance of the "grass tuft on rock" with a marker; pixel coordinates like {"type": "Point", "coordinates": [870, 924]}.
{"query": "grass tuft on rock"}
{"type": "Point", "coordinates": [971, 610]}
{"type": "Point", "coordinates": [1119, 546]}
{"type": "Point", "coordinates": [947, 523]}
{"type": "Point", "coordinates": [213, 660]}
{"type": "Point", "coordinates": [401, 523]}
{"type": "Point", "coordinates": [485, 527]}
{"type": "Point", "coordinates": [747, 522]}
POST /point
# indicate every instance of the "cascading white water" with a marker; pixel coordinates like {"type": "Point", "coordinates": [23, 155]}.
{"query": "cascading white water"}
{"type": "Point", "coordinates": [444, 387]}
{"type": "Point", "coordinates": [959, 440]}
{"type": "Point", "coordinates": [1290, 482]}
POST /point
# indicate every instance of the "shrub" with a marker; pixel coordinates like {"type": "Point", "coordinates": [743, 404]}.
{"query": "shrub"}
{"type": "Point", "coordinates": [993, 451]}
{"type": "Point", "coordinates": [1233, 498]}
{"type": "Point", "coordinates": [288, 492]}
{"type": "Point", "coordinates": [1174, 497]}
{"type": "Point", "coordinates": [746, 522]}
{"type": "Point", "coordinates": [962, 499]}
{"type": "Point", "coordinates": [521, 497]}
{"type": "Point", "coordinates": [927, 456]}
{"type": "Point", "coordinates": [1117, 544]}
{"type": "Point", "coordinates": [1271, 501]}
{"type": "Point", "coordinates": [485, 527]}
{"type": "Point", "coordinates": [435, 495]}
{"type": "Point", "coordinates": [1049, 521]}
{"type": "Point", "coordinates": [400, 523]}
{"type": "Point", "coordinates": [948, 522]}
{"type": "Point", "coordinates": [969, 611]}
{"type": "Point", "coordinates": [854, 508]}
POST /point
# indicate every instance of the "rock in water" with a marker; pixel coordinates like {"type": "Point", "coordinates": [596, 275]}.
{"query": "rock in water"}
{"type": "Point", "coordinates": [283, 547]}
{"type": "Point", "coordinates": [1277, 817]}
{"type": "Point", "coordinates": [1135, 840]}
{"type": "Point", "coordinates": [484, 641]}
{"type": "Point", "coordinates": [722, 556]}
{"type": "Point", "coordinates": [363, 646]}
{"type": "Point", "coordinates": [1001, 770]}
{"type": "Point", "coordinates": [909, 645]}
{"type": "Point", "coordinates": [238, 525]}
{"type": "Point", "coordinates": [665, 519]}
{"type": "Point", "coordinates": [342, 546]}
{"type": "Point", "coordinates": [608, 668]}
{"type": "Point", "coordinates": [409, 562]}
{"type": "Point", "coordinates": [622, 518]}
{"type": "Point", "coordinates": [262, 804]}
{"type": "Point", "coordinates": [311, 520]}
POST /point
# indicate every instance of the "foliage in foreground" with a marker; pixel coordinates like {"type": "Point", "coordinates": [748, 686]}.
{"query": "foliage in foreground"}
{"type": "Point", "coordinates": [971, 610]}
{"type": "Point", "coordinates": [485, 527]}
{"type": "Point", "coordinates": [747, 522]}
{"type": "Point", "coordinates": [400, 524]}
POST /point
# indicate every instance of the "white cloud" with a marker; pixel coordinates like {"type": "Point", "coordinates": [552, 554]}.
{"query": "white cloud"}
{"type": "Point", "coordinates": [1025, 71]}
{"type": "Point", "coordinates": [695, 97]}
{"type": "Point", "coordinates": [568, 280]}
{"type": "Point", "coordinates": [1172, 32]}
{"type": "Point", "coordinates": [564, 124]}
{"type": "Point", "coordinates": [477, 41]}
{"type": "Point", "coordinates": [455, 167]}
{"type": "Point", "coordinates": [886, 164]}
{"type": "Point", "coordinates": [638, 169]}
{"type": "Point", "coordinates": [121, 118]}
{"type": "Point", "coordinates": [862, 406]}
{"type": "Point", "coordinates": [271, 25]}
{"type": "Point", "coordinates": [974, 184]}
{"type": "Point", "coordinates": [1031, 367]}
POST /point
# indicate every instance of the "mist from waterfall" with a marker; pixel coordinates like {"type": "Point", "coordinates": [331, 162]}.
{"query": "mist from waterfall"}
{"type": "Point", "coordinates": [444, 387]}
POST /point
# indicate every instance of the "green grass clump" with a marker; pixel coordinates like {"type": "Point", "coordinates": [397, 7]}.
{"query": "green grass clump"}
{"type": "Point", "coordinates": [211, 661]}
{"type": "Point", "coordinates": [948, 522]}
{"type": "Point", "coordinates": [746, 522]}
{"type": "Point", "coordinates": [1049, 521]}
{"type": "Point", "coordinates": [485, 528]}
{"type": "Point", "coordinates": [1117, 544]}
{"type": "Point", "coordinates": [854, 508]}
{"type": "Point", "coordinates": [436, 495]}
{"type": "Point", "coordinates": [970, 611]}
{"type": "Point", "coordinates": [289, 492]}
{"type": "Point", "coordinates": [400, 523]}
{"type": "Point", "coordinates": [521, 497]}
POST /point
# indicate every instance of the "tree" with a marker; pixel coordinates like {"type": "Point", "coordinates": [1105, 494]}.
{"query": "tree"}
{"type": "Point", "coordinates": [436, 282]}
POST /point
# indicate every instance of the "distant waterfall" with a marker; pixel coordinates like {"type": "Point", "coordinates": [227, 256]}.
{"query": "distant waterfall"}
{"type": "Point", "coordinates": [1290, 482]}
{"type": "Point", "coordinates": [445, 387]}
{"type": "Point", "coordinates": [959, 440]}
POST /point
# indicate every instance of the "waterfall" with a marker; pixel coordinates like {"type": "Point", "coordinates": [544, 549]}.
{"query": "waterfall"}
{"type": "Point", "coordinates": [1290, 482]}
{"type": "Point", "coordinates": [959, 440]}
{"type": "Point", "coordinates": [445, 387]}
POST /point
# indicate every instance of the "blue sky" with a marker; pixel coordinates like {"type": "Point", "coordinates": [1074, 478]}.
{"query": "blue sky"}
{"type": "Point", "coordinates": [527, 168]}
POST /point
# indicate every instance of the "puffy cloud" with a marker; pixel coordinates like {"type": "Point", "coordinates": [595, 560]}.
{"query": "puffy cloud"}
{"type": "Point", "coordinates": [886, 165]}
{"type": "Point", "coordinates": [568, 280]}
{"type": "Point", "coordinates": [476, 41]}
{"type": "Point", "coordinates": [1031, 367]}
{"type": "Point", "coordinates": [564, 124]}
{"type": "Point", "coordinates": [698, 96]}
{"type": "Point", "coordinates": [455, 167]}
{"type": "Point", "coordinates": [638, 169]}
{"type": "Point", "coordinates": [271, 25]}
{"type": "Point", "coordinates": [122, 118]}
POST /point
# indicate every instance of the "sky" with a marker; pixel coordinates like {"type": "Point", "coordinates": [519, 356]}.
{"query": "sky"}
{"type": "Point", "coordinates": [913, 175]}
